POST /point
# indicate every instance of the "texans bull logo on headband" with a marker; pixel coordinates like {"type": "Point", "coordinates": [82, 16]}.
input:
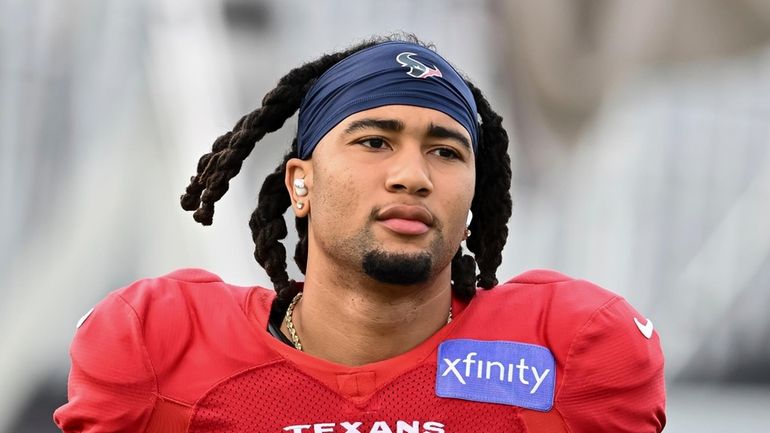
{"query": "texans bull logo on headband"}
{"type": "Point", "coordinates": [416, 68]}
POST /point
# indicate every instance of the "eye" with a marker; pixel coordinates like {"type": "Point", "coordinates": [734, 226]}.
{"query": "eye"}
{"type": "Point", "coordinates": [373, 143]}
{"type": "Point", "coordinates": [446, 153]}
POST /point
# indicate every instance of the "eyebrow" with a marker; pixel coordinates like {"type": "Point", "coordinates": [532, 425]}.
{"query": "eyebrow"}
{"type": "Point", "coordinates": [383, 124]}
{"type": "Point", "coordinates": [436, 131]}
{"type": "Point", "coordinates": [395, 125]}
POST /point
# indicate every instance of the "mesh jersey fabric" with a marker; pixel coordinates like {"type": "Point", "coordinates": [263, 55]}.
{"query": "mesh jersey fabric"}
{"type": "Point", "coordinates": [407, 404]}
{"type": "Point", "coordinates": [187, 352]}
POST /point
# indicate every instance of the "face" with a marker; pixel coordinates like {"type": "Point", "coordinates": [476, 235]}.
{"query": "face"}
{"type": "Point", "coordinates": [389, 193]}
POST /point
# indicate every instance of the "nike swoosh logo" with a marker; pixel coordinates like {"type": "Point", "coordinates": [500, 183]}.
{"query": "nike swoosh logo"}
{"type": "Point", "coordinates": [646, 328]}
{"type": "Point", "coordinates": [83, 319]}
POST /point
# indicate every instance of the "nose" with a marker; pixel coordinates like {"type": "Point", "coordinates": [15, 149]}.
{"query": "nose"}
{"type": "Point", "coordinates": [409, 172]}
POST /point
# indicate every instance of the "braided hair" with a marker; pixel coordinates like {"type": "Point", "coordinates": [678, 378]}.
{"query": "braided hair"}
{"type": "Point", "coordinates": [491, 205]}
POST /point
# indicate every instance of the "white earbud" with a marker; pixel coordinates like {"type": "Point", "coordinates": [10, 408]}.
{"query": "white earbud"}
{"type": "Point", "coordinates": [299, 187]}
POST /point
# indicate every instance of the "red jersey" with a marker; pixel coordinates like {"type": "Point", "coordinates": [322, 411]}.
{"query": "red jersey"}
{"type": "Point", "coordinates": [187, 352]}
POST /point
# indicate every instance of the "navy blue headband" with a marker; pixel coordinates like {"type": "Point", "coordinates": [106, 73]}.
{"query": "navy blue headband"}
{"type": "Point", "coordinates": [390, 73]}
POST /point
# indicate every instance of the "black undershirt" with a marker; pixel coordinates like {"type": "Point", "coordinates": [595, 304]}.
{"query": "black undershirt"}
{"type": "Point", "coordinates": [274, 328]}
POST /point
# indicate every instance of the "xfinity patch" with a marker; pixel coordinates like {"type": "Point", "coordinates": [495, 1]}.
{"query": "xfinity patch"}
{"type": "Point", "coordinates": [517, 374]}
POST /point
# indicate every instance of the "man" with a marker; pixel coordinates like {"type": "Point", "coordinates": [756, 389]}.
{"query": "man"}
{"type": "Point", "coordinates": [397, 161]}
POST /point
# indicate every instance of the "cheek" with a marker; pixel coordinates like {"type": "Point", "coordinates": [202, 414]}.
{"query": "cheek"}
{"type": "Point", "coordinates": [458, 205]}
{"type": "Point", "coordinates": [337, 199]}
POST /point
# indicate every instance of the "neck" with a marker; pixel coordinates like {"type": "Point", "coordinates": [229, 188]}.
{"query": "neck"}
{"type": "Point", "coordinates": [356, 321]}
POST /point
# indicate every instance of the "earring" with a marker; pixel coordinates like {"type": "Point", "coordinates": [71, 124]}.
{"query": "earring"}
{"type": "Point", "coordinates": [299, 187]}
{"type": "Point", "coordinates": [300, 205]}
{"type": "Point", "coordinates": [468, 224]}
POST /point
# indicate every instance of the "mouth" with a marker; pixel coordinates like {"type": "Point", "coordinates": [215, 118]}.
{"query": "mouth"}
{"type": "Point", "coordinates": [406, 219]}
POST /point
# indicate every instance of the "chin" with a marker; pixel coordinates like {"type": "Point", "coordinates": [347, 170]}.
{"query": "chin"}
{"type": "Point", "coordinates": [398, 268]}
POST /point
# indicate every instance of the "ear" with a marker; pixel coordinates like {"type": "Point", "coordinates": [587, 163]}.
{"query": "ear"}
{"type": "Point", "coordinates": [300, 200]}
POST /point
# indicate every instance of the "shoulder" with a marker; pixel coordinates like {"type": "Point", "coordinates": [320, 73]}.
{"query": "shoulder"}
{"type": "Point", "coordinates": [544, 308]}
{"type": "Point", "coordinates": [540, 302]}
{"type": "Point", "coordinates": [149, 340]}
{"type": "Point", "coordinates": [169, 312]}
{"type": "Point", "coordinates": [180, 312]}
{"type": "Point", "coordinates": [568, 315]}
{"type": "Point", "coordinates": [607, 355]}
{"type": "Point", "coordinates": [182, 287]}
{"type": "Point", "coordinates": [547, 286]}
{"type": "Point", "coordinates": [175, 297]}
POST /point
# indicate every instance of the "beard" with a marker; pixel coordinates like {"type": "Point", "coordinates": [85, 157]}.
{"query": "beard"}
{"type": "Point", "coordinates": [398, 268]}
{"type": "Point", "coordinates": [401, 268]}
{"type": "Point", "coordinates": [363, 251]}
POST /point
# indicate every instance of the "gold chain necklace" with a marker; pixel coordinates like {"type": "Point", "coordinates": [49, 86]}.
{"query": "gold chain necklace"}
{"type": "Point", "coordinates": [293, 331]}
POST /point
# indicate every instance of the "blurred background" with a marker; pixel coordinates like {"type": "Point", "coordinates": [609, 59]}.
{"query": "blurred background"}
{"type": "Point", "coordinates": [640, 143]}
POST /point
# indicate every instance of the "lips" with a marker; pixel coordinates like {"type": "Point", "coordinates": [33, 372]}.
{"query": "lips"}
{"type": "Point", "coordinates": [406, 219]}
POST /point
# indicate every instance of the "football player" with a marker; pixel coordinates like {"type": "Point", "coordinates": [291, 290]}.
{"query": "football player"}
{"type": "Point", "coordinates": [397, 163]}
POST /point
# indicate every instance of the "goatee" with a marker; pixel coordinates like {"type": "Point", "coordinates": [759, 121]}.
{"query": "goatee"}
{"type": "Point", "coordinates": [400, 269]}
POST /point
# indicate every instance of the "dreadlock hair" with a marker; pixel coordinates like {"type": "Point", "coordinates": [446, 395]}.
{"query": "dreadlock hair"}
{"type": "Point", "coordinates": [491, 205]}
